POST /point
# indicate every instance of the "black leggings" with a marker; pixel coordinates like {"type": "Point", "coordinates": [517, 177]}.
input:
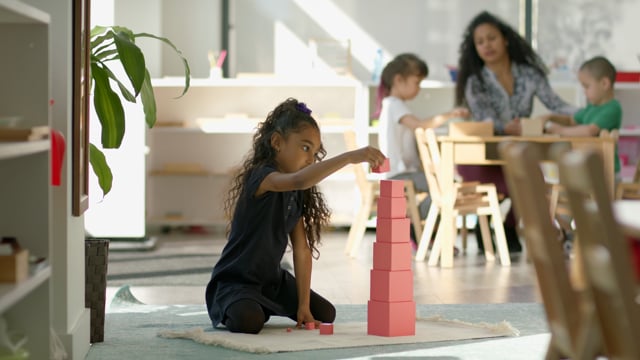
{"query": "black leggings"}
{"type": "Point", "coordinates": [248, 316]}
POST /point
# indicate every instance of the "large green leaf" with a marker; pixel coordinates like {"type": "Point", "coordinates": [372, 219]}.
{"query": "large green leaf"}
{"type": "Point", "coordinates": [123, 89]}
{"type": "Point", "coordinates": [108, 108]}
{"type": "Point", "coordinates": [132, 60]}
{"type": "Point", "coordinates": [148, 101]}
{"type": "Point", "coordinates": [100, 168]}
{"type": "Point", "coordinates": [185, 63]}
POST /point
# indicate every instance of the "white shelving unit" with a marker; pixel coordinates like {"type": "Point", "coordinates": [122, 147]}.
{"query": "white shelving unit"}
{"type": "Point", "coordinates": [219, 118]}
{"type": "Point", "coordinates": [25, 203]}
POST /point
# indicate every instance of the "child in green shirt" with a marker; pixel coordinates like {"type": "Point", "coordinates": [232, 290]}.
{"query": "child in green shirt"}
{"type": "Point", "coordinates": [603, 111]}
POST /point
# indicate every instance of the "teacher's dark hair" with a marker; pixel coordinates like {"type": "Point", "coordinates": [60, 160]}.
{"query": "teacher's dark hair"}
{"type": "Point", "coordinates": [470, 63]}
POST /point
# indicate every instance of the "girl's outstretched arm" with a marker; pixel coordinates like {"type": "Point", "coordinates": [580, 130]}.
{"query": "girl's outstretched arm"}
{"type": "Point", "coordinates": [302, 268]}
{"type": "Point", "coordinates": [316, 172]}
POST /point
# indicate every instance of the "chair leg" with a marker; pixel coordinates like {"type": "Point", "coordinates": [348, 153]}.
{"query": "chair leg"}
{"type": "Point", "coordinates": [359, 226]}
{"type": "Point", "coordinates": [498, 228]}
{"type": "Point", "coordinates": [501, 239]}
{"type": "Point", "coordinates": [442, 245]}
{"type": "Point", "coordinates": [463, 233]}
{"type": "Point", "coordinates": [486, 238]}
{"type": "Point", "coordinates": [425, 239]}
{"type": "Point", "coordinates": [412, 208]}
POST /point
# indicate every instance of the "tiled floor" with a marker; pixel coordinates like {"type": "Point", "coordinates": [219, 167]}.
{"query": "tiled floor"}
{"type": "Point", "coordinates": [345, 280]}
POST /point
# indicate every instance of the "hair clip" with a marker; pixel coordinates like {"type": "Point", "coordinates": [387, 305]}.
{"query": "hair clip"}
{"type": "Point", "coordinates": [303, 107]}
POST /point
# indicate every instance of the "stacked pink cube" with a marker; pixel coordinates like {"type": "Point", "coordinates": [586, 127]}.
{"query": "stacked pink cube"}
{"type": "Point", "coordinates": [391, 309]}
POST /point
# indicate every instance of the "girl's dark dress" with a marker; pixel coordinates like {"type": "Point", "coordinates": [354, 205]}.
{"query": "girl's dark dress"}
{"type": "Point", "coordinates": [249, 267]}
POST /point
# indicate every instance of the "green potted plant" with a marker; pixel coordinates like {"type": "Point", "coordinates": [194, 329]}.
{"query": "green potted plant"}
{"type": "Point", "coordinates": [116, 44]}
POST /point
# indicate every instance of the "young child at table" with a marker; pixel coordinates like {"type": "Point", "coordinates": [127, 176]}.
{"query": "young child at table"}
{"type": "Point", "coordinates": [399, 83]}
{"type": "Point", "coordinates": [597, 77]}
{"type": "Point", "coordinates": [274, 203]}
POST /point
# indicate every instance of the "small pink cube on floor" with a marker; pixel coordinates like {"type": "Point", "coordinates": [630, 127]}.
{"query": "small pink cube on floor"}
{"type": "Point", "coordinates": [288, 329]}
{"type": "Point", "coordinates": [310, 326]}
{"type": "Point", "coordinates": [326, 329]}
{"type": "Point", "coordinates": [385, 167]}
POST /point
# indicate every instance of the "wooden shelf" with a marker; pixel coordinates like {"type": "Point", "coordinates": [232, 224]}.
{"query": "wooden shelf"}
{"type": "Point", "coordinates": [22, 148]}
{"type": "Point", "coordinates": [10, 294]}
{"type": "Point", "coordinates": [17, 12]}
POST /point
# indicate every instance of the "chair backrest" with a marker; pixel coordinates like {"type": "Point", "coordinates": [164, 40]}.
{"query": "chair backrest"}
{"type": "Point", "coordinates": [430, 158]}
{"type": "Point", "coordinates": [361, 176]}
{"type": "Point", "coordinates": [606, 254]}
{"type": "Point", "coordinates": [526, 184]}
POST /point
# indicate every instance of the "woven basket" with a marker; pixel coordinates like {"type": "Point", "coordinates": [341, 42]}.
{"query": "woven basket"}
{"type": "Point", "coordinates": [96, 260]}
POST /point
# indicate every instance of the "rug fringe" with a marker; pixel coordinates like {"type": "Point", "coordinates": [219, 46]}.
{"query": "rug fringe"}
{"type": "Point", "coordinates": [502, 328]}
{"type": "Point", "coordinates": [198, 335]}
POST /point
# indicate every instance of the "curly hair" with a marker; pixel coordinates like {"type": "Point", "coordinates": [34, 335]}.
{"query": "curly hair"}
{"type": "Point", "coordinates": [470, 63]}
{"type": "Point", "coordinates": [290, 116]}
{"type": "Point", "coordinates": [406, 64]}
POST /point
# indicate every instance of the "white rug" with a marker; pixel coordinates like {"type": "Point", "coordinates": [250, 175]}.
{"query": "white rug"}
{"type": "Point", "coordinates": [275, 338]}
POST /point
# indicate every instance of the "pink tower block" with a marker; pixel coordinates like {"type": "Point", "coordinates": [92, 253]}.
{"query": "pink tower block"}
{"type": "Point", "coordinates": [388, 285]}
{"type": "Point", "coordinates": [326, 329]}
{"type": "Point", "coordinates": [391, 318]}
{"type": "Point", "coordinates": [393, 230]}
{"type": "Point", "coordinates": [391, 256]}
{"type": "Point", "coordinates": [392, 207]}
{"type": "Point", "coordinates": [392, 188]}
{"type": "Point", "coordinates": [385, 167]}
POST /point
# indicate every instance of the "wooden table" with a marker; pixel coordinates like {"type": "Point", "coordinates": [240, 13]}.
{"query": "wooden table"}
{"type": "Point", "coordinates": [483, 150]}
{"type": "Point", "coordinates": [627, 212]}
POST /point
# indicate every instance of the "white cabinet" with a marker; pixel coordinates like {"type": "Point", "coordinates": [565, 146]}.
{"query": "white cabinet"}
{"type": "Point", "coordinates": [188, 164]}
{"type": "Point", "coordinates": [25, 203]}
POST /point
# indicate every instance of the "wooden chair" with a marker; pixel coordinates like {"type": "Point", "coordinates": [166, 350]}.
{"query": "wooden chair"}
{"type": "Point", "coordinates": [369, 192]}
{"type": "Point", "coordinates": [469, 198]}
{"type": "Point", "coordinates": [605, 252]}
{"type": "Point", "coordinates": [571, 315]}
{"type": "Point", "coordinates": [630, 190]}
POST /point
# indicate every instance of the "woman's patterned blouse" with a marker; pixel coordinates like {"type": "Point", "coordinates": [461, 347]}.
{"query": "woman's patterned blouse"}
{"type": "Point", "coordinates": [490, 101]}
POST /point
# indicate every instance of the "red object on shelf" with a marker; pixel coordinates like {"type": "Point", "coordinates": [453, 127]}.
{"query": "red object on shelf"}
{"type": "Point", "coordinates": [628, 76]}
{"type": "Point", "coordinates": [57, 156]}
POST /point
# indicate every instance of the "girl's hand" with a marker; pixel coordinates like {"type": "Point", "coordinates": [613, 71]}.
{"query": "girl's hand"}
{"type": "Point", "coordinates": [368, 154]}
{"type": "Point", "coordinates": [304, 316]}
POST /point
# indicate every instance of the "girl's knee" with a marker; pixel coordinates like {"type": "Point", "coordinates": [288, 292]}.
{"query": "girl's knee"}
{"type": "Point", "coordinates": [245, 316]}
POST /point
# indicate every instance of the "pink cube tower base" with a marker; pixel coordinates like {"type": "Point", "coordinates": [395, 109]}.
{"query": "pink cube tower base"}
{"type": "Point", "coordinates": [391, 309]}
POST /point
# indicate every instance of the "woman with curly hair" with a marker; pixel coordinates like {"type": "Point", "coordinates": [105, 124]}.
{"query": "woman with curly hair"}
{"type": "Point", "coordinates": [274, 202]}
{"type": "Point", "coordinates": [498, 76]}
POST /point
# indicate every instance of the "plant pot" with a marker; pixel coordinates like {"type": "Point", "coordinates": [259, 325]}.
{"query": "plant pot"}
{"type": "Point", "coordinates": [96, 260]}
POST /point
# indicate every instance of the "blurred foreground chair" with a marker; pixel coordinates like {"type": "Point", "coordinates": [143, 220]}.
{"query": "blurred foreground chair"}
{"type": "Point", "coordinates": [605, 252]}
{"type": "Point", "coordinates": [469, 198]}
{"type": "Point", "coordinates": [630, 191]}
{"type": "Point", "coordinates": [369, 192]}
{"type": "Point", "coordinates": [570, 314]}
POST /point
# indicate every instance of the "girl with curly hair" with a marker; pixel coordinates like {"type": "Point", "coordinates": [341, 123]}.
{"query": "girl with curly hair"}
{"type": "Point", "coordinates": [274, 202]}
